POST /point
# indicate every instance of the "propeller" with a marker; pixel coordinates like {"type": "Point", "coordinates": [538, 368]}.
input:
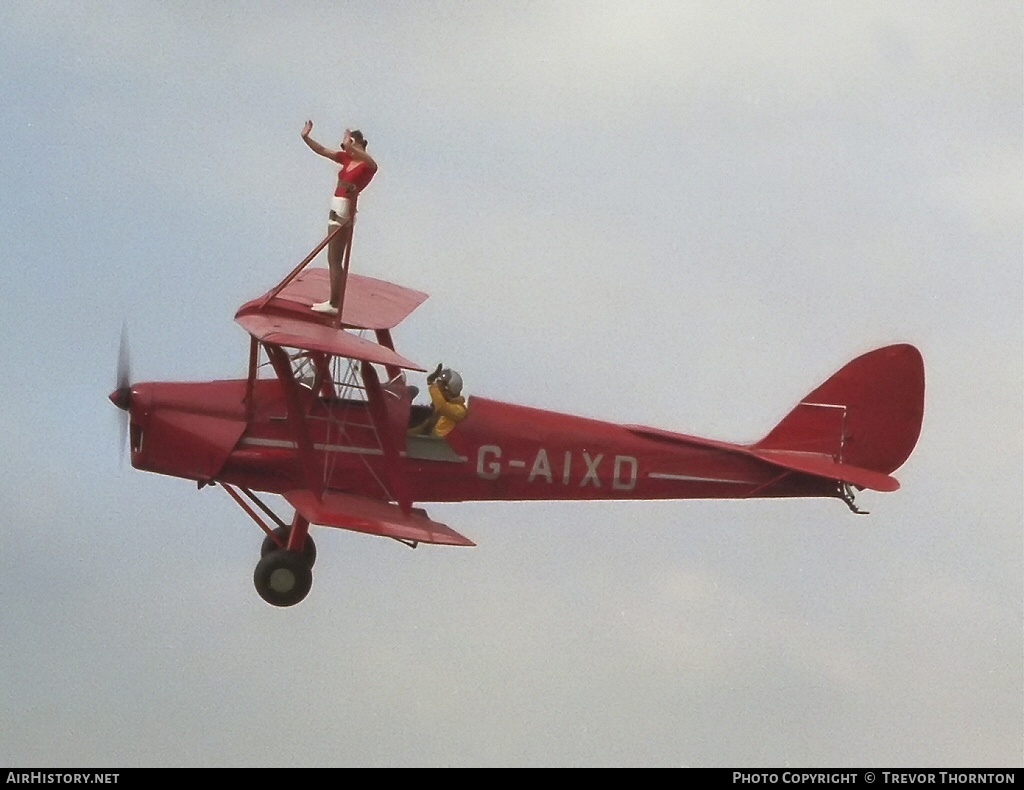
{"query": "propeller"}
{"type": "Point", "coordinates": [122, 394]}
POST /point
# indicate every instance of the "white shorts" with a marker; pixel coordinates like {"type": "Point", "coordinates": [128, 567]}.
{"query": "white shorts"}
{"type": "Point", "coordinates": [341, 211]}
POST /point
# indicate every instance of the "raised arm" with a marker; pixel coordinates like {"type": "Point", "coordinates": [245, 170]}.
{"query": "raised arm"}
{"type": "Point", "coordinates": [314, 145]}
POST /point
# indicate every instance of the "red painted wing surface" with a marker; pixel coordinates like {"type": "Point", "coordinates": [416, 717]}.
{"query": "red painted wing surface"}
{"type": "Point", "coordinates": [369, 303]}
{"type": "Point", "coordinates": [375, 518]}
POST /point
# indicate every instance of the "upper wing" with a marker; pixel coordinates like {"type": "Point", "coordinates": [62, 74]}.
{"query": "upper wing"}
{"type": "Point", "coordinates": [375, 518]}
{"type": "Point", "coordinates": [369, 303]}
{"type": "Point", "coordinates": [287, 320]}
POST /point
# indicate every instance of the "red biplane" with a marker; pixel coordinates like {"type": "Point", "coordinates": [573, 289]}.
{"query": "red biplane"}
{"type": "Point", "coordinates": [328, 431]}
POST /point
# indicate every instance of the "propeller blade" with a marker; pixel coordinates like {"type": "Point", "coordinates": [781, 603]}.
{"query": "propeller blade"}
{"type": "Point", "coordinates": [121, 396]}
{"type": "Point", "coordinates": [124, 362]}
{"type": "Point", "coordinates": [123, 435]}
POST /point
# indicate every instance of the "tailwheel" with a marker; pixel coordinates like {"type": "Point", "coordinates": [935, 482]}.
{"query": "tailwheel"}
{"type": "Point", "coordinates": [282, 577]}
{"type": "Point", "coordinates": [281, 539]}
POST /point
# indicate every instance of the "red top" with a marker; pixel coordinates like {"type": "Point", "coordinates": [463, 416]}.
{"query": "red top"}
{"type": "Point", "coordinates": [354, 172]}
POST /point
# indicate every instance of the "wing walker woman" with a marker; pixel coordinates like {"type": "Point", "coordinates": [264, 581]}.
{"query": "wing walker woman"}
{"type": "Point", "coordinates": [357, 170]}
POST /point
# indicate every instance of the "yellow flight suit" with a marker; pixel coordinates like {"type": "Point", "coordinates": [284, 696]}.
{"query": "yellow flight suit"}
{"type": "Point", "coordinates": [448, 412]}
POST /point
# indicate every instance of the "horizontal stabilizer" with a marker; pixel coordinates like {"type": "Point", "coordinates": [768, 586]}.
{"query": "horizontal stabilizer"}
{"type": "Point", "coordinates": [823, 466]}
{"type": "Point", "coordinates": [816, 464]}
{"type": "Point", "coordinates": [360, 514]}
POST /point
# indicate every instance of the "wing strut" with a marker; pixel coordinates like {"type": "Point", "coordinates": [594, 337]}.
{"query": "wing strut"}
{"type": "Point", "coordinates": [296, 417]}
{"type": "Point", "coordinates": [389, 425]}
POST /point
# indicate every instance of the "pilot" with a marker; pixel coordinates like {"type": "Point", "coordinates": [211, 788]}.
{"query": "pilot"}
{"type": "Point", "coordinates": [449, 407]}
{"type": "Point", "coordinates": [357, 169]}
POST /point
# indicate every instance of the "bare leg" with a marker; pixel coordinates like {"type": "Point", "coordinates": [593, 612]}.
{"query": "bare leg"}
{"type": "Point", "coordinates": [336, 258]}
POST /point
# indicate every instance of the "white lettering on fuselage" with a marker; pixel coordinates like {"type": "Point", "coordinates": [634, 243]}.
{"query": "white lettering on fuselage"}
{"type": "Point", "coordinates": [540, 467]}
{"type": "Point", "coordinates": [488, 470]}
{"type": "Point", "coordinates": [619, 481]}
{"type": "Point", "coordinates": [491, 464]}
{"type": "Point", "coordinates": [591, 474]}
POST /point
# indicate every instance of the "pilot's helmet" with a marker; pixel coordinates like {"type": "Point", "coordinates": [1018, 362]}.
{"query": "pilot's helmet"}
{"type": "Point", "coordinates": [452, 381]}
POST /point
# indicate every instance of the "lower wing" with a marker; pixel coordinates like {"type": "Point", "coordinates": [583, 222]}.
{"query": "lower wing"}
{"type": "Point", "coordinates": [360, 514]}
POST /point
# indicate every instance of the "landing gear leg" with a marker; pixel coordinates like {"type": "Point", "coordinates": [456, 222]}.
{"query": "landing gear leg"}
{"type": "Point", "coordinates": [289, 538]}
{"type": "Point", "coordinates": [284, 573]}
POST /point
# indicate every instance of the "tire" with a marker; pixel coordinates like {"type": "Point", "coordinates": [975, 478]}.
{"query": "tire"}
{"type": "Point", "coordinates": [282, 578]}
{"type": "Point", "coordinates": [282, 533]}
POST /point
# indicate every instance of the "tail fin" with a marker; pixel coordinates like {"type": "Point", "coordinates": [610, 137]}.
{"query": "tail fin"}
{"type": "Point", "coordinates": [867, 415]}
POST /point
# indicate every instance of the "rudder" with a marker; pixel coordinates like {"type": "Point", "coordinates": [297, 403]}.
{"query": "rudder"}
{"type": "Point", "coordinates": [868, 414]}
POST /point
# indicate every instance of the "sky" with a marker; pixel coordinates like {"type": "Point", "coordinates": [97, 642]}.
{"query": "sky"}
{"type": "Point", "coordinates": [679, 214]}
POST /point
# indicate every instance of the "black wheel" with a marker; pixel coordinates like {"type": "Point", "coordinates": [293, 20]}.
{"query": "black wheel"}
{"type": "Point", "coordinates": [282, 578]}
{"type": "Point", "coordinates": [282, 533]}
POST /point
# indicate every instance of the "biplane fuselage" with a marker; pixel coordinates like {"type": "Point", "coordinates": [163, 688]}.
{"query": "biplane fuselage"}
{"type": "Point", "coordinates": [502, 451]}
{"type": "Point", "coordinates": [330, 431]}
